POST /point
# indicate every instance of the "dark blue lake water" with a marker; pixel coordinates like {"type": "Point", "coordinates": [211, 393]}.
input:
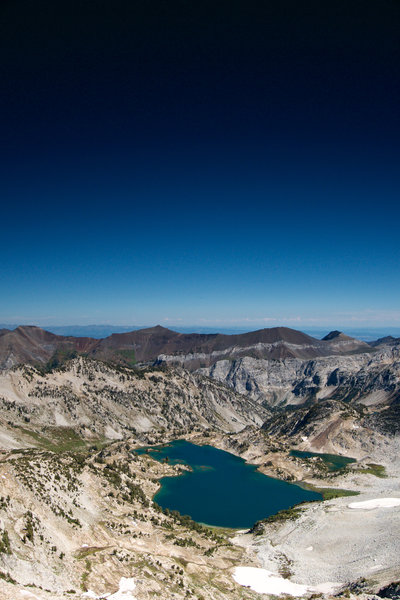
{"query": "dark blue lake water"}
{"type": "Point", "coordinates": [221, 489]}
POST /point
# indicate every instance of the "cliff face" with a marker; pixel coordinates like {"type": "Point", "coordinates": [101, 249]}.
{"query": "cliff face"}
{"type": "Point", "coordinates": [269, 344]}
{"type": "Point", "coordinates": [366, 378]}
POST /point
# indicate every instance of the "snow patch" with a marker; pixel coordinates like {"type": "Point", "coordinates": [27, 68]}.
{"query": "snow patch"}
{"type": "Point", "coordinates": [376, 503]}
{"type": "Point", "coordinates": [126, 586]}
{"type": "Point", "coordinates": [265, 582]}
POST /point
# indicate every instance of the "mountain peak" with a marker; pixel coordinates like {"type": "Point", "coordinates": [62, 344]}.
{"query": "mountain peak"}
{"type": "Point", "coordinates": [333, 335]}
{"type": "Point", "coordinates": [157, 329]}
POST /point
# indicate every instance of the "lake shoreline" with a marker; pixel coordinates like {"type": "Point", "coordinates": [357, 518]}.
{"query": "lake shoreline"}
{"type": "Point", "coordinates": [225, 474]}
{"type": "Point", "coordinates": [324, 560]}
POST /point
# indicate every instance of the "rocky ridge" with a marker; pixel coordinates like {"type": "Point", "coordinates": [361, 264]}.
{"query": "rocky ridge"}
{"type": "Point", "coordinates": [98, 400]}
{"type": "Point", "coordinates": [365, 378]}
{"type": "Point", "coordinates": [35, 346]}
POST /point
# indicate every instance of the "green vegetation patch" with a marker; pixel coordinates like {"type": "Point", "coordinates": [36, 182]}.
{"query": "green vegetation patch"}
{"type": "Point", "coordinates": [128, 356]}
{"type": "Point", "coordinates": [288, 514]}
{"type": "Point", "coordinates": [85, 552]}
{"type": "Point", "coordinates": [222, 531]}
{"type": "Point", "coordinates": [58, 439]}
{"type": "Point", "coordinates": [5, 547]}
{"type": "Point", "coordinates": [59, 358]}
{"type": "Point", "coordinates": [85, 575]}
{"type": "Point", "coordinates": [7, 577]}
{"type": "Point", "coordinates": [65, 439]}
{"type": "Point", "coordinates": [329, 493]}
{"type": "Point", "coordinates": [29, 527]}
{"type": "Point", "coordinates": [374, 469]}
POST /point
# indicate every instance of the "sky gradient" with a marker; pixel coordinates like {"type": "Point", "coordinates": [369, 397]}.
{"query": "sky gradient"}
{"type": "Point", "coordinates": [229, 163]}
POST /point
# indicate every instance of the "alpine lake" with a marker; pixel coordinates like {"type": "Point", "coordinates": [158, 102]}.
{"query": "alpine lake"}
{"type": "Point", "coordinates": [221, 489]}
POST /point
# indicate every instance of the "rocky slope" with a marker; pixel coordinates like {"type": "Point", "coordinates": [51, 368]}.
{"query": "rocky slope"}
{"type": "Point", "coordinates": [82, 524]}
{"type": "Point", "coordinates": [370, 379]}
{"type": "Point", "coordinates": [98, 400]}
{"type": "Point", "coordinates": [33, 345]}
{"type": "Point", "coordinates": [389, 340]}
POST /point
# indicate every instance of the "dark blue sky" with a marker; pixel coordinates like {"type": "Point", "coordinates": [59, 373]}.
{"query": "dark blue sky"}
{"type": "Point", "coordinates": [200, 162]}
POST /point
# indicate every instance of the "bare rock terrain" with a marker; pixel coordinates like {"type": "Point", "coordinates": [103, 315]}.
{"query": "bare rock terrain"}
{"type": "Point", "coordinates": [97, 399]}
{"type": "Point", "coordinates": [362, 377]}
{"type": "Point", "coordinates": [76, 513]}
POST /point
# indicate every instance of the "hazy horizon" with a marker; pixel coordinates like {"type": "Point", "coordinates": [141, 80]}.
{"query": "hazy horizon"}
{"type": "Point", "coordinates": [103, 330]}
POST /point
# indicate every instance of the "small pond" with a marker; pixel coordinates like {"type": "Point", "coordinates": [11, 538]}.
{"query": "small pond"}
{"type": "Point", "coordinates": [334, 462]}
{"type": "Point", "coordinates": [221, 489]}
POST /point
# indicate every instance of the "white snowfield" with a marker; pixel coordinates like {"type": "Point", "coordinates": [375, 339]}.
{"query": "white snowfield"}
{"type": "Point", "coordinates": [376, 503]}
{"type": "Point", "coordinates": [126, 586]}
{"type": "Point", "coordinates": [265, 582]}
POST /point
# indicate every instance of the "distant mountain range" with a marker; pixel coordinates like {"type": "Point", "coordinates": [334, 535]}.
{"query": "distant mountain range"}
{"type": "Point", "coordinates": [101, 331]}
{"type": "Point", "coordinates": [93, 331]}
{"type": "Point", "coordinates": [33, 345]}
